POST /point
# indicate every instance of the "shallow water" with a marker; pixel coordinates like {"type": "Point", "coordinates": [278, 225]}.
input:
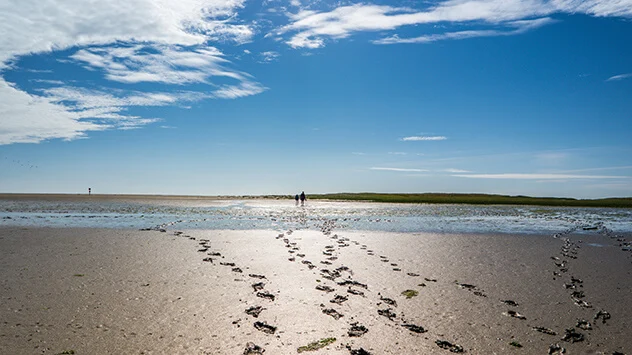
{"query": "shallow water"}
{"type": "Point", "coordinates": [283, 215]}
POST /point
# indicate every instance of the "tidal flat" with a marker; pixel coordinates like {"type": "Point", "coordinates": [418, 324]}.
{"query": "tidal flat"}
{"type": "Point", "coordinates": [247, 276]}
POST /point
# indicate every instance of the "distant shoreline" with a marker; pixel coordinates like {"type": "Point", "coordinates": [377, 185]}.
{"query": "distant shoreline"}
{"type": "Point", "coordinates": [479, 199]}
{"type": "Point", "coordinates": [432, 198]}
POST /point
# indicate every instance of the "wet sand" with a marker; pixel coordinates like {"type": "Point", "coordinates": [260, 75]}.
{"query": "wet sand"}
{"type": "Point", "coordinates": [101, 291]}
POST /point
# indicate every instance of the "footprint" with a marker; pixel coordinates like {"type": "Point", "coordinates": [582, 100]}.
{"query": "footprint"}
{"type": "Point", "coordinates": [324, 288]}
{"type": "Point", "coordinates": [545, 330]}
{"type": "Point", "coordinates": [338, 299]}
{"type": "Point", "coordinates": [266, 295]}
{"type": "Point", "coordinates": [252, 349]}
{"type": "Point", "coordinates": [264, 327]}
{"type": "Point", "coordinates": [414, 328]}
{"type": "Point", "coordinates": [388, 313]}
{"type": "Point", "coordinates": [454, 348]}
{"type": "Point", "coordinates": [352, 283]}
{"type": "Point", "coordinates": [556, 349]}
{"type": "Point", "coordinates": [388, 301]}
{"type": "Point", "coordinates": [258, 286]}
{"type": "Point", "coordinates": [515, 314]}
{"type": "Point", "coordinates": [357, 330]}
{"type": "Point", "coordinates": [254, 311]}
{"type": "Point", "coordinates": [572, 336]}
{"type": "Point", "coordinates": [332, 312]}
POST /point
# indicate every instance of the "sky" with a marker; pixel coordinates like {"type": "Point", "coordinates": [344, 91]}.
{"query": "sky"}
{"type": "Point", "coordinates": [235, 97]}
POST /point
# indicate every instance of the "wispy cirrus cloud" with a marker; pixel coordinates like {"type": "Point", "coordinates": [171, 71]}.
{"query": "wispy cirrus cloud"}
{"type": "Point", "coordinates": [536, 176]}
{"type": "Point", "coordinates": [50, 82]}
{"type": "Point", "coordinates": [310, 28]}
{"type": "Point", "coordinates": [624, 167]}
{"type": "Point", "coordinates": [619, 77]}
{"type": "Point", "coordinates": [425, 138]}
{"type": "Point", "coordinates": [159, 64]}
{"type": "Point", "coordinates": [398, 169]}
{"type": "Point", "coordinates": [456, 171]}
{"type": "Point", "coordinates": [515, 28]}
{"type": "Point", "coordinates": [242, 89]}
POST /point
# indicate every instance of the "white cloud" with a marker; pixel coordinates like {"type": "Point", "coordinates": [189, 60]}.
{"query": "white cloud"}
{"type": "Point", "coordinates": [303, 41]}
{"type": "Point", "coordinates": [456, 171]}
{"type": "Point", "coordinates": [161, 64]}
{"type": "Point", "coordinates": [619, 77]}
{"type": "Point", "coordinates": [397, 153]}
{"type": "Point", "coordinates": [83, 99]}
{"type": "Point", "coordinates": [538, 176]}
{"type": "Point", "coordinates": [310, 28]}
{"type": "Point", "coordinates": [358, 153]}
{"type": "Point", "coordinates": [269, 56]}
{"type": "Point", "coordinates": [518, 28]}
{"type": "Point", "coordinates": [241, 90]}
{"type": "Point", "coordinates": [174, 37]}
{"type": "Point", "coordinates": [223, 32]}
{"type": "Point", "coordinates": [398, 169]}
{"type": "Point", "coordinates": [625, 167]}
{"type": "Point", "coordinates": [425, 138]}
{"type": "Point", "coordinates": [60, 24]}
{"type": "Point", "coordinates": [28, 118]}
{"type": "Point", "coordinates": [45, 81]}
{"type": "Point", "coordinates": [69, 112]}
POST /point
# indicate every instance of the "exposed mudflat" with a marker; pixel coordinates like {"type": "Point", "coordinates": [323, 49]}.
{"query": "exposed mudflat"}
{"type": "Point", "coordinates": [96, 291]}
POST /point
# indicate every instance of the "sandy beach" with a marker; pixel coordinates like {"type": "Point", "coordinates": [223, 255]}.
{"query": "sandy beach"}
{"type": "Point", "coordinates": [113, 291]}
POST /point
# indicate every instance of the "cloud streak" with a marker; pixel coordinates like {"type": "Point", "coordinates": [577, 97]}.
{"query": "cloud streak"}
{"type": "Point", "coordinates": [424, 138]}
{"type": "Point", "coordinates": [456, 171]}
{"type": "Point", "coordinates": [164, 64]}
{"type": "Point", "coordinates": [519, 28]}
{"type": "Point", "coordinates": [311, 29]}
{"type": "Point", "coordinates": [398, 169]}
{"type": "Point", "coordinates": [537, 176]}
{"type": "Point", "coordinates": [619, 77]}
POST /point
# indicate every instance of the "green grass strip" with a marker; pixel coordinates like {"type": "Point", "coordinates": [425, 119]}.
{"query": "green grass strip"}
{"type": "Point", "coordinates": [476, 199]}
{"type": "Point", "coordinates": [316, 345]}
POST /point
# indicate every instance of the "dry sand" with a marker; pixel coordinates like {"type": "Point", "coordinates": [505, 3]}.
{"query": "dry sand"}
{"type": "Point", "coordinates": [107, 291]}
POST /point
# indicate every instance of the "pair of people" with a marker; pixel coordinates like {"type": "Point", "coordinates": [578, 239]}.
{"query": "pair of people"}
{"type": "Point", "coordinates": [302, 197]}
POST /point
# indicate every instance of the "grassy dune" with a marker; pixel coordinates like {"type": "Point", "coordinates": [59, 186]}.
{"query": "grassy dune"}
{"type": "Point", "coordinates": [476, 199]}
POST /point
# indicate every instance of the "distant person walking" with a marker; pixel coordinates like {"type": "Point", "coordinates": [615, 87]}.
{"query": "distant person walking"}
{"type": "Point", "coordinates": [296, 198]}
{"type": "Point", "coordinates": [303, 198]}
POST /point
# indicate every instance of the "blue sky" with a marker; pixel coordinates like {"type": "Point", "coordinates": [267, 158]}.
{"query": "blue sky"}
{"type": "Point", "coordinates": [216, 97]}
